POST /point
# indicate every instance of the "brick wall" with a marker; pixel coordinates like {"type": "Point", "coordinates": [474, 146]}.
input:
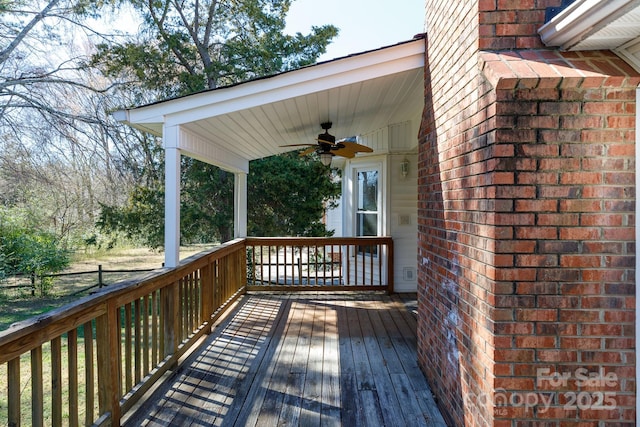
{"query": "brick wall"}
{"type": "Point", "coordinates": [511, 24]}
{"type": "Point", "coordinates": [564, 300]}
{"type": "Point", "coordinates": [452, 248]}
{"type": "Point", "coordinates": [526, 223]}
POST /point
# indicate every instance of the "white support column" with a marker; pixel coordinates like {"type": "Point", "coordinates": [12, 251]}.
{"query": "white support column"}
{"type": "Point", "coordinates": [240, 205]}
{"type": "Point", "coordinates": [171, 197]}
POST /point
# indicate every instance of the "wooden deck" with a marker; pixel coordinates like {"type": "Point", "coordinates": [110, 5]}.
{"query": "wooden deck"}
{"type": "Point", "coordinates": [302, 359]}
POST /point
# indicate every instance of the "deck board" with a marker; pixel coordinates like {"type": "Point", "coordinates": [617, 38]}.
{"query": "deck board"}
{"type": "Point", "coordinates": [301, 359]}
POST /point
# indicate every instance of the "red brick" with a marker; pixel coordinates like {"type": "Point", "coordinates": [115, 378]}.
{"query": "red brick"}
{"type": "Point", "coordinates": [557, 356]}
{"type": "Point", "coordinates": [535, 342]}
{"type": "Point", "coordinates": [564, 219]}
{"type": "Point", "coordinates": [601, 329]}
{"type": "Point", "coordinates": [585, 261]}
{"type": "Point", "coordinates": [580, 233]}
{"type": "Point", "coordinates": [536, 315]}
{"type": "Point", "coordinates": [536, 206]}
{"type": "Point", "coordinates": [581, 343]}
{"type": "Point", "coordinates": [604, 220]}
{"type": "Point", "coordinates": [516, 4]}
{"type": "Point", "coordinates": [564, 108]}
{"type": "Point", "coordinates": [602, 108]}
{"type": "Point", "coordinates": [580, 316]}
{"type": "Point", "coordinates": [528, 233]}
{"type": "Point", "coordinates": [537, 260]}
{"type": "Point", "coordinates": [513, 328]}
{"type": "Point", "coordinates": [581, 178]}
{"type": "Point", "coordinates": [621, 122]}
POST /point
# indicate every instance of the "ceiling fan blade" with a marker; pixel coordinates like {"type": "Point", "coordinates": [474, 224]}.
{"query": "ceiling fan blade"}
{"type": "Point", "coordinates": [298, 145]}
{"type": "Point", "coordinates": [308, 151]}
{"type": "Point", "coordinates": [355, 147]}
{"type": "Point", "coordinates": [343, 152]}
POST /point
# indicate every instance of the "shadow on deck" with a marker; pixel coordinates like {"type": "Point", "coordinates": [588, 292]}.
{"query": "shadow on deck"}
{"type": "Point", "coordinates": [301, 359]}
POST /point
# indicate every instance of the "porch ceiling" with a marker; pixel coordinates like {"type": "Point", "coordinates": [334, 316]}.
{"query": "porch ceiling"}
{"type": "Point", "coordinates": [358, 93]}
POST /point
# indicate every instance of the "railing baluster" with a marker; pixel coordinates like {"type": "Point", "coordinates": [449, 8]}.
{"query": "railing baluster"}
{"type": "Point", "coordinates": [72, 363]}
{"type": "Point", "coordinates": [348, 264]}
{"type": "Point", "coordinates": [37, 392]}
{"type": "Point", "coordinates": [144, 307]}
{"type": "Point", "coordinates": [56, 381]}
{"type": "Point", "coordinates": [13, 380]}
{"type": "Point", "coordinates": [89, 373]}
{"type": "Point", "coordinates": [371, 263]}
{"type": "Point", "coordinates": [137, 320]}
{"type": "Point", "coordinates": [380, 249]}
{"type": "Point", "coordinates": [128, 352]}
{"type": "Point", "coordinates": [170, 317]}
{"type": "Point", "coordinates": [154, 328]}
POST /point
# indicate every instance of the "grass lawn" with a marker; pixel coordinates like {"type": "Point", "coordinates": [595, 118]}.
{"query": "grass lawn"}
{"type": "Point", "coordinates": [19, 304]}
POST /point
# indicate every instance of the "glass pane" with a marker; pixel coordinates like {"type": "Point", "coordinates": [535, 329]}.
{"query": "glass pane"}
{"type": "Point", "coordinates": [367, 224]}
{"type": "Point", "coordinates": [368, 191]}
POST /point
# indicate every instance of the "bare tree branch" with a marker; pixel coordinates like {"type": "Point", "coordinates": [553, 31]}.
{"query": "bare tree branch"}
{"type": "Point", "coordinates": [20, 37]}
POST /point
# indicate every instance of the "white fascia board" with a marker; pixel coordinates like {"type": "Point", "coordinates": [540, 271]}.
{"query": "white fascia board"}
{"type": "Point", "coordinates": [299, 82]}
{"type": "Point", "coordinates": [578, 20]}
{"type": "Point", "coordinates": [153, 127]}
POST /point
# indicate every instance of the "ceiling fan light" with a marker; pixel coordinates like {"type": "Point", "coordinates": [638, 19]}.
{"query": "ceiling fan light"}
{"type": "Point", "coordinates": [326, 158]}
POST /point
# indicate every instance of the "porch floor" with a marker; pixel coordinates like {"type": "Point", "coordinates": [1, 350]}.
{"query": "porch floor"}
{"type": "Point", "coordinates": [302, 359]}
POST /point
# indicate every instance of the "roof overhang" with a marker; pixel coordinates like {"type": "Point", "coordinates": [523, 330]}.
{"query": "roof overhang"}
{"type": "Point", "coordinates": [251, 120]}
{"type": "Point", "coordinates": [597, 25]}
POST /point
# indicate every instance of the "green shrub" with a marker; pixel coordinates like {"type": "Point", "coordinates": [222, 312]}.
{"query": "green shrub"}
{"type": "Point", "coordinates": [25, 249]}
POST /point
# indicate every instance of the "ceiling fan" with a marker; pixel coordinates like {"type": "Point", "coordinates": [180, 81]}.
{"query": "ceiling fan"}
{"type": "Point", "coordinates": [327, 146]}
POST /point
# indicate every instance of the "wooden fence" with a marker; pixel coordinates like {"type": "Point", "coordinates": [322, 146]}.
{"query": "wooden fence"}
{"type": "Point", "coordinates": [29, 281]}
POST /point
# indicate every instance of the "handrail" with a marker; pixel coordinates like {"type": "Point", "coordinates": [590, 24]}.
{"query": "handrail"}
{"type": "Point", "coordinates": [108, 349]}
{"type": "Point", "coordinates": [127, 336]}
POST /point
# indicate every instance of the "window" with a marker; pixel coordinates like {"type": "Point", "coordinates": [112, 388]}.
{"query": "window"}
{"type": "Point", "coordinates": [367, 207]}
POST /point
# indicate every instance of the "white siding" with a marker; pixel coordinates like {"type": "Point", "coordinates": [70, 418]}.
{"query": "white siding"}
{"type": "Point", "coordinates": [404, 221]}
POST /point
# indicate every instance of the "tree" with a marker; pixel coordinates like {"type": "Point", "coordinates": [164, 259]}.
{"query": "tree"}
{"type": "Point", "coordinates": [189, 46]}
{"type": "Point", "coordinates": [56, 134]}
{"type": "Point", "coordinates": [289, 196]}
{"type": "Point", "coordinates": [185, 47]}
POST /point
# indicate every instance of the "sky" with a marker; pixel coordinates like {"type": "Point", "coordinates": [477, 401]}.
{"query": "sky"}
{"type": "Point", "coordinates": [364, 24]}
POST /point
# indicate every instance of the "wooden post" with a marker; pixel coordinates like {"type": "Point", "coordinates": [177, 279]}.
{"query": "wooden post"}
{"type": "Point", "coordinates": [100, 283]}
{"type": "Point", "coordinates": [108, 343]}
{"type": "Point", "coordinates": [390, 267]}
{"type": "Point", "coordinates": [242, 261]}
{"type": "Point", "coordinates": [170, 303]}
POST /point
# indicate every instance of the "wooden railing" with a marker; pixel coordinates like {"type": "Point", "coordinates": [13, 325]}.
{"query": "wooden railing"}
{"type": "Point", "coordinates": [90, 362]}
{"type": "Point", "coordinates": [336, 263]}
{"type": "Point", "coordinates": [102, 353]}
